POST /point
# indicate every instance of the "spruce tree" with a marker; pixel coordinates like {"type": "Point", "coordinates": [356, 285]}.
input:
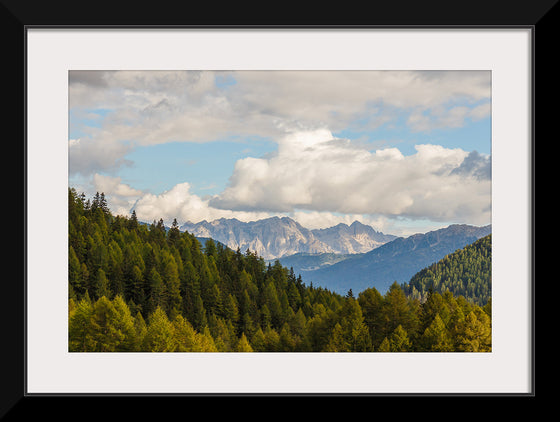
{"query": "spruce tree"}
{"type": "Point", "coordinates": [337, 341]}
{"type": "Point", "coordinates": [385, 346]}
{"type": "Point", "coordinates": [80, 331]}
{"type": "Point", "coordinates": [140, 330]}
{"type": "Point", "coordinates": [475, 335]}
{"type": "Point", "coordinates": [74, 271]}
{"type": "Point", "coordinates": [258, 341]}
{"type": "Point", "coordinates": [399, 340]}
{"type": "Point", "coordinates": [160, 334]}
{"type": "Point", "coordinates": [105, 326]}
{"type": "Point", "coordinates": [184, 335]}
{"type": "Point", "coordinates": [436, 338]}
{"type": "Point", "coordinates": [102, 285]}
{"type": "Point", "coordinates": [125, 325]}
{"type": "Point", "coordinates": [243, 344]}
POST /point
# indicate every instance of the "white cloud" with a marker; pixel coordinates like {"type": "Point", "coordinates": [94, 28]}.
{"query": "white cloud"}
{"type": "Point", "coordinates": [180, 203]}
{"type": "Point", "coordinates": [314, 172]}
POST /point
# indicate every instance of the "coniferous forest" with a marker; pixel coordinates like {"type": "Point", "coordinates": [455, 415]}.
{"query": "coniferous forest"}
{"type": "Point", "coordinates": [466, 272]}
{"type": "Point", "coordinates": [145, 288]}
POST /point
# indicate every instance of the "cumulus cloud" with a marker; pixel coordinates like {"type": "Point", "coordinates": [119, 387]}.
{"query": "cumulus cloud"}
{"type": "Point", "coordinates": [180, 203]}
{"type": "Point", "coordinates": [312, 171]}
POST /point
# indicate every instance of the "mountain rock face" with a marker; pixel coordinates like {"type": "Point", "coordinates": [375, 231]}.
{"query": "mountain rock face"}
{"type": "Point", "coordinates": [356, 238]}
{"type": "Point", "coordinates": [397, 260]}
{"type": "Point", "coordinates": [276, 237]}
{"type": "Point", "coordinates": [270, 238]}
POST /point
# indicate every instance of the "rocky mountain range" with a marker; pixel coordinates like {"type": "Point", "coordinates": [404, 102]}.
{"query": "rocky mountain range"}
{"type": "Point", "coordinates": [277, 237]}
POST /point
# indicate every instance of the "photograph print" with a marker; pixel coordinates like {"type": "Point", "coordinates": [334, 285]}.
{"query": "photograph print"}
{"type": "Point", "coordinates": [279, 211]}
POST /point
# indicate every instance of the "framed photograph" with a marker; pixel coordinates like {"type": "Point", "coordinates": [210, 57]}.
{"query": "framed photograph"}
{"type": "Point", "coordinates": [225, 185]}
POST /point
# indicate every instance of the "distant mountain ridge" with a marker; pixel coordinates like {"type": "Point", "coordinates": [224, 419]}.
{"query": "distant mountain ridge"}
{"type": "Point", "coordinates": [276, 237]}
{"type": "Point", "coordinates": [356, 238]}
{"type": "Point", "coordinates": [397, 260]}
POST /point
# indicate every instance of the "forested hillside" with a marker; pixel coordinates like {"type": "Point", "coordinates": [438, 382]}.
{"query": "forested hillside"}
{"type": "Point", "coordinates": [466, 272]}
{"type": "Point", "coordinates": [135, 288]}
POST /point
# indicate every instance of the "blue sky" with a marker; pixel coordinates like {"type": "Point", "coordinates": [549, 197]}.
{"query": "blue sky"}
{"type": "Point", "coordinates": [391, 149]}
{"type": "Point", "coordinates": [207, 166]}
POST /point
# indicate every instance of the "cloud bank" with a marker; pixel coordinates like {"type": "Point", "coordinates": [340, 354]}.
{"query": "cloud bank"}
{"type": "Point", "coordinates": [148, 108]}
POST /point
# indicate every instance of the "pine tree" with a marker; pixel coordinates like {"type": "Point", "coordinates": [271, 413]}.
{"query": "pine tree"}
{"type": "Point", "coordinates": [137, 294]}
{"type": "Point", "coordinates": [157, 290]}
{"type": "Point", "coordinates": [286, 339]}
{"type": "Point", "coordinates": [475, 335]}
{"type": "Point", "coordinates": [298, 324]}
{"type": "Point", "coordinates": [160, 333]}
{"type": "Point", "coordinates": [434, 305]}
{"type": "Point", "coordinates": [230, 309]}
{"type": "Point", "coordinates": [140, 330]}
{"type": "Point", "coordinates": [102, 285]}
{"type": "Point", "coordinates": [105, 326]}
{"type": "Point", "coordinates": [74, 271]}
{"type": "Point", "coordinates": [133, 221]}
{"type": "Point", "coordinates": [125, 325]}
{"type": "Point", "coordinates": [271, 340]}
{"type": "Point", "coordinates": [371, 303]}
{"type": "Point", "coordinates": [210, 248]}
{"type": "Point", "coordinates": [272, 303]}
{"type": "Point", "coordinates": [385, 346]}
{"type": "Point", "coordinates": [396, 310]}
{"type": "Point", "coordinates": [436, 338]}
{"type": "Point", "coordinates": [86, 282]}
{"type": "Point", "coordinates": [399, 340]}
{"type": "Point", "coordinates": [337, 341]}
{"type": "Point", "coordinates": [173, 235]}
{"type": "Point", "coordinates": [243, 344]}
{"type": "Point", "coordinates": [184, 335]}
{"type": "Point", "coordinates": [80, 332]}
{"type": "Point", "coordinates": [247, 325]}
{"type": "Point", "coordinates": [199, 320]}
{"type": "Point", "coordinates": [355, 330]}
{"type": "Point", "coordinates": [172, 287]}
{"type": "Point", "coordinates": [205, 342]}
{"type": "Point", "coordinates": [103, 203]}
{"type": "Point", "coordinates": [258, 341]}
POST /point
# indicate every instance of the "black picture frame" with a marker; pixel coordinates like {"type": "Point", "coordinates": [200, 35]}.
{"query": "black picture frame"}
{"type": "Point", "coordinates": [18, 16]}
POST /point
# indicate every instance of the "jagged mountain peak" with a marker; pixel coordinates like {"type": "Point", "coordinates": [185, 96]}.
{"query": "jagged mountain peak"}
{"type": "Point", "coordinates": [276, 236]}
